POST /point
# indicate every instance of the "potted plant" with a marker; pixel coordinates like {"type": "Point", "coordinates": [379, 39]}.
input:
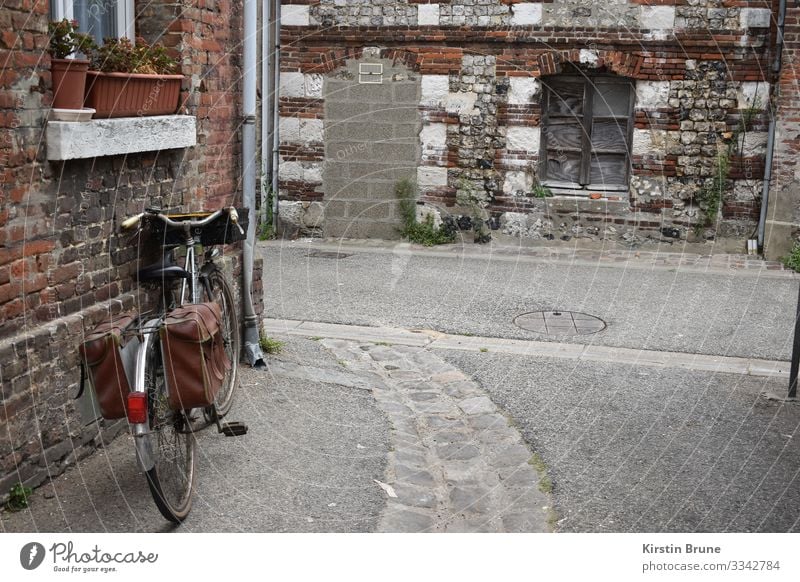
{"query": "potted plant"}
{"type": "Point", "coordinates": [69, 75]}
{"type": "Point", "coordinates": [128, 80]}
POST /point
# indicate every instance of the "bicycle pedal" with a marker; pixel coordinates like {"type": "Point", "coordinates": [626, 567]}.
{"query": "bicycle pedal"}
{"type": "Point", "coordinates": [233, 429]}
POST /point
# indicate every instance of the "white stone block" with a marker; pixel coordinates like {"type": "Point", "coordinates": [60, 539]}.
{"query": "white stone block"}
{"type": "Point", "coordinates": [433, 136]}
{"type": "Point", "coordinates": [462, 102]}
{"type": "Point", "coordinates": [312, 172]}
{"type": "Point", "coordinates": [300, 171]}
{"type": "Point", "coordinates": [424, 211]}
{"type": "Point", "coordinates": [290, 171]}
{"type": "Point", "coordinates": [523, 90]}
{"type": "Point", "coordinates": [517, 183]}
{"type": "Point", "coordinates": [523, 138]}
{"type": "Point", "coordinates": [648, 141]}
{"type": "Point", "coordinates": [526, 14]}
{"type": "Point", "coordinates": [641, 142]}
{"type": "Point", "coordinates": [298, 130]}
{"type": "Point", "coordinates": [652, 94]}
{"type": "Point", "coordinates": [434, 89]}
{"type": "Point", "coordinates": [313, 85]}
{"type": "Point", "coordinates": [755, 18]}
{"type": "Point", "coordinates": [290, 212]}
{"type": "Point", "coordinates": [312, 130]}
{"type": "Point", "coordinates": [588, 57]}
{"type": "Point", "coordinates": [755, 143]}
{"type": "Point", "coordinates": [295, 15]}
{"type": "Point", "coordinates": [753, 94]}
{"type": "Point", "coordinates": [431, 177]}
{"type": "Point", "coordinates": [289, 129]}
{"type": "Point", "coordinates": [428, 15]}
{"type": "Point", "coordinates": [125, 135]}
{"type": "Point", "coordinates": [657, 17]}
{"type": "Point", "coordinates": [292, 84]}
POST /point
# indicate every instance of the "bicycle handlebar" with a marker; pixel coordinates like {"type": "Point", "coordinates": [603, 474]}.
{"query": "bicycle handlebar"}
{"type": "Point", "coordinates": [129, 223]}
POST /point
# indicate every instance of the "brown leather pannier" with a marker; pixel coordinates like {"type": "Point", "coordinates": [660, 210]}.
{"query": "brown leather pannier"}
{"type": "Point", "coordinates": [194, 355]}
{"type": "Point", "coordinates": [101, 354]}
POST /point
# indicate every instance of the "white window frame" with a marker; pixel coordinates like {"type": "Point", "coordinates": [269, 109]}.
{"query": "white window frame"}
{"type": "Point", "coordinates": [125, 16]}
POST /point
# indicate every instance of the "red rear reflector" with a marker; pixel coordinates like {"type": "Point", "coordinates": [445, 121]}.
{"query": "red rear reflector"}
{"type": "Point", "coordinates": [137, 407]}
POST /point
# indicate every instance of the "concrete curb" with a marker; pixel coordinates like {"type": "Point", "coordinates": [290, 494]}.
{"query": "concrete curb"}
{"type": "Point", "coordinates": [435, 340]}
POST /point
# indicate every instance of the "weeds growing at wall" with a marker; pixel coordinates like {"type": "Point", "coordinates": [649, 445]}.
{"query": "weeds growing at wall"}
{"type": "Point", "coordinates": [266, 231]}
{"type": "Point", "coordinates": [425, 233]}
{"type": "Point", "coordinates": [18, 497]}
{"type": "Point", "coordinates": [269, 345]}
{"type": "Point", "coordinates": [540, 191]}
{"type": "Point", "coordinates": [792, 260]}
{"type": "Point", "coordinates": [710, 195]}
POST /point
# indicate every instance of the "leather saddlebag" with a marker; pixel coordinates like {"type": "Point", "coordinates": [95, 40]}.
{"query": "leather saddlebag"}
{"type": "Point", "coordinates": [101, 353]}
{"type": "Point", "coordinates": [194, 355]}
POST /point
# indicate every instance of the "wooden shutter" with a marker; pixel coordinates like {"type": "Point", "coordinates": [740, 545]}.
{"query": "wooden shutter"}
{"type": "Point", "coordinates": [587, 130]}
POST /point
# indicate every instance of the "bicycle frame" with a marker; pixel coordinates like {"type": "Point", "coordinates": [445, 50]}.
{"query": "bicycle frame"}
{"type": "Point", "coordinates": [141, 432]}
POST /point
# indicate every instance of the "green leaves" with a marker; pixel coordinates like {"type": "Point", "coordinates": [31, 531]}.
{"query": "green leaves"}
{"type": "Point", "coordinates": [120, 55]}
{"type": "Point", "coordinates": [424, 233]}
{"type": "Point", "coordinates": [18, 497]}
{"type": "Point", "coordinates": [66, 40]}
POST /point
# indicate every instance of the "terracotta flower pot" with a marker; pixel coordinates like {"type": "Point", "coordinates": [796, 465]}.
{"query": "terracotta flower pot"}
{"type": "Point", "coordinates": [132, 95]}
{"type": "Point", "coordinates": [69, 81]}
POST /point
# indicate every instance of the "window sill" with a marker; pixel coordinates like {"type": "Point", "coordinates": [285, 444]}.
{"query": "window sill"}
{"type": "Point", "coordinates": [67, 140]}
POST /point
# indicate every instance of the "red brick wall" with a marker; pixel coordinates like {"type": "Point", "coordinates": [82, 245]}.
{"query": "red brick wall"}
{"type": "Point", "coordinates": [62, 265]}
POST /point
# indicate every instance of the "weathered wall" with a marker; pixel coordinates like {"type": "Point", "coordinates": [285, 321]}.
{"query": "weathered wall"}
{"type": "Point", "coordinates": [371, 142]}
{"type": "Point", "coordinates": [62, 265]}
{"type": "Point", "coordinates": [700, 68]}
{"type": "Point", "coordinates": [783, 215]}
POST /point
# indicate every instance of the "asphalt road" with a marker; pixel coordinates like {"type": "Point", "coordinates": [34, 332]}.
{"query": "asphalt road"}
{"type": "Point", "coordinates": [307, 464]}
{"type": "Point", "coordinates": [732, 313]}
{"type": "Point", "coordinates": [644, 449]}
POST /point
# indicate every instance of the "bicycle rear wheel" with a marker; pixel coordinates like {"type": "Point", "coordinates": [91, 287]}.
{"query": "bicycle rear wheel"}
{"type": "Point", "coordinates": [221, 293]}
{"type": "Point", "coordinates": [171, 480]}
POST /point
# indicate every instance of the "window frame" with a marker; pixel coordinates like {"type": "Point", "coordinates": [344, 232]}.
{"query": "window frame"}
{"type": "Point", "coordinates": [589, 81]}
{"type": "Point", "coordinates": [125, 16]}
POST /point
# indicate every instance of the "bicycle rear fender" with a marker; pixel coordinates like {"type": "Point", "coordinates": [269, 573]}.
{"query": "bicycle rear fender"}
{"type": "Point", "coordinates": [142, 436]}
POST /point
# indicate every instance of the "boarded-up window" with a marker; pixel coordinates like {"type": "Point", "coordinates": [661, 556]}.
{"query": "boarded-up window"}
{"type": "Point", "coordinates": [586, 129]}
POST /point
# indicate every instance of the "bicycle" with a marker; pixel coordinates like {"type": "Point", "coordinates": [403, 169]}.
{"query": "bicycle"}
{"type": "Point", "coordinates": [165, 438]}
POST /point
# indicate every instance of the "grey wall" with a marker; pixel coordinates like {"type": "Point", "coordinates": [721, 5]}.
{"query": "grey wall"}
{"type": "Point", "coordinates": [371, 142]}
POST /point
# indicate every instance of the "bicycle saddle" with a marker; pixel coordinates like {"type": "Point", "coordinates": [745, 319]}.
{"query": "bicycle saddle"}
{"type": "Point", "coordinates": [166, 269]}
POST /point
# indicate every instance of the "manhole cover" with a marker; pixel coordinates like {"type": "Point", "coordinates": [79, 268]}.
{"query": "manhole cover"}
{"type": "Point", "coordinates": [327, 255]}
{"type": "Point", "coordinates": [560, 323]}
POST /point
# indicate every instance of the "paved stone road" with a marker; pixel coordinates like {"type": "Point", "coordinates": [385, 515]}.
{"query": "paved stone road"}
{"type": "Point", "coordinates": [457, 463]}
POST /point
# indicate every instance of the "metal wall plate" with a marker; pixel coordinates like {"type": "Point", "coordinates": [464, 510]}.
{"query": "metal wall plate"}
{"type": "Point", "coordinates": [370, 73]}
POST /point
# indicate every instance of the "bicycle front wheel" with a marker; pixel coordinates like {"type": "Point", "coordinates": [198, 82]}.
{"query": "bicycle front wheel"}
{"type": "Point", "coordinates": [171, 480]}
{"type": "Point", "coordinates": [221, 293]}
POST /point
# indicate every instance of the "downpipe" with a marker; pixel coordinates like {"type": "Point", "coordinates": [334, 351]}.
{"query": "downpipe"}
{"type": "Point", "coordinates": [252, 348]}
{"type": "Point", "coordinates": [276, 139]}
{"type": "Point", "coordinates": [776, 70]}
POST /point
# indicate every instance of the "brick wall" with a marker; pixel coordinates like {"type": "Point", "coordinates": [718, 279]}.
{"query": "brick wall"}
{"type": "Point", "coordinates": [62, 264]}
{"type": "Point", "coordinates": [783, 216]}
{"type": "Point", "coordinates": [698, 67]}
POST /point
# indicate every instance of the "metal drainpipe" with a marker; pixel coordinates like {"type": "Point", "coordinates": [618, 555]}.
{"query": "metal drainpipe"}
{"type": "Point", "coordinates": [251, 332]}
{"type": "Point", "coordinates": [266, 99]}
{"type": "Point", "coordinates": [776, 70]}
{"type": "Point", "coordinates": [276, 139]}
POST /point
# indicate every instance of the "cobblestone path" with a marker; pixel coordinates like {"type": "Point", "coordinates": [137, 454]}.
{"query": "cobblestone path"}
{"type": "Point", "coordinates": [456, 463]}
